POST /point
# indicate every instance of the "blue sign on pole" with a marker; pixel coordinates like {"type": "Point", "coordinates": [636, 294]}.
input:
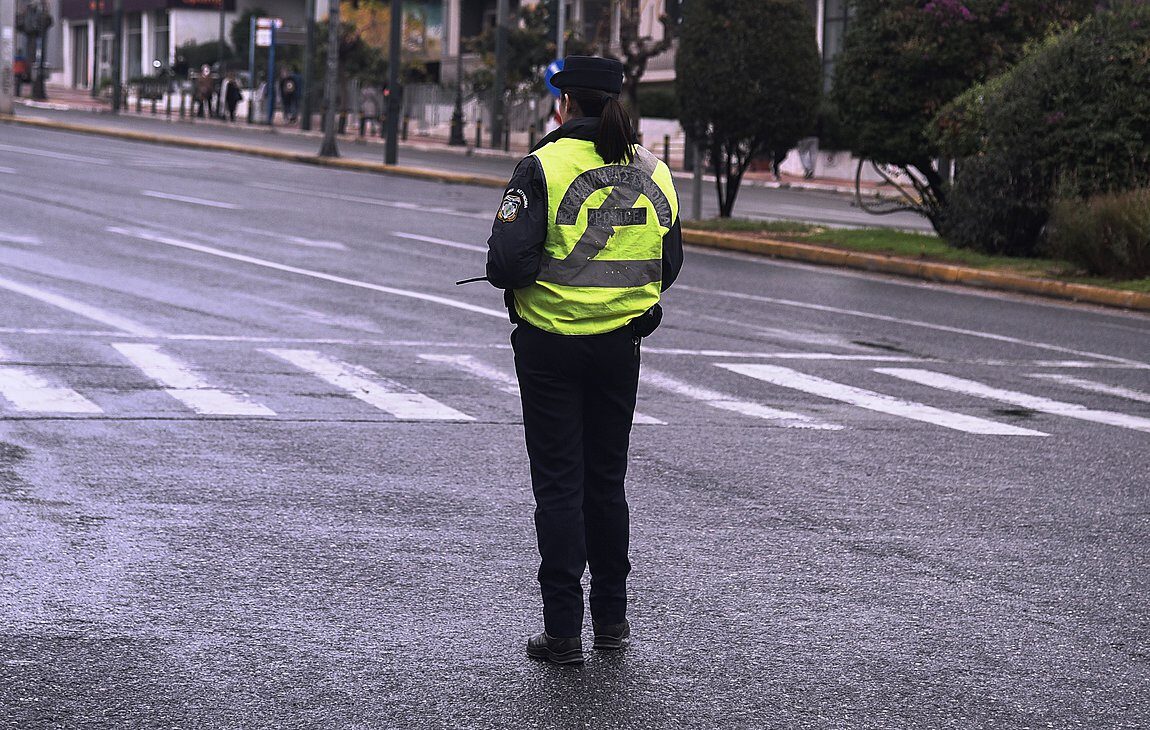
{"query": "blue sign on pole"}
{"type": "Point", "coordinates": [553, 68]}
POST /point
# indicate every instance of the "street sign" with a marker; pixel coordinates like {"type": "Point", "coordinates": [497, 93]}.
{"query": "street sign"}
{"type": "Point", "coordinates": [553, 68]}
{"type": "Point", "coordinates": [264, 30]}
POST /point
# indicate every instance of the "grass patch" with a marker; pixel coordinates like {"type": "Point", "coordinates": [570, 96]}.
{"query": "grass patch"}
{"type": "Point", "coordinates": [922, 246]}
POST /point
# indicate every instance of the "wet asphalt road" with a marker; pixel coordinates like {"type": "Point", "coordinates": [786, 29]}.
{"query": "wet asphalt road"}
{"type": "Point", "coordinates": [802, 560]}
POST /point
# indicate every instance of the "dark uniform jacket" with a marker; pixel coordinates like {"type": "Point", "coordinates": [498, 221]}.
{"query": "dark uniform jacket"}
{"type": "Point", "coordinates": [515, 249]}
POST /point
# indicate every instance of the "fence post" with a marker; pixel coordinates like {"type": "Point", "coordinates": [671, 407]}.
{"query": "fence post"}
{"type": "Point", "coordinates": [667, 149]}
{"type": "Point", "coordinates": [478, 133]}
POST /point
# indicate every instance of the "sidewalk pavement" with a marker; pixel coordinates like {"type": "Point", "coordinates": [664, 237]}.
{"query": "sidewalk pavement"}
{"type": "Point", "coordinates": [71, 110]}
{"type": "Point", "coordinates": [62, 98]}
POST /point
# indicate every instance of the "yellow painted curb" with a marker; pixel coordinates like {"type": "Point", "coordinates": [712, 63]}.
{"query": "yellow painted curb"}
{"type": "Point", "coordinates": [928, 270]}
{"type": "Point", "coordinates": [337, 162]}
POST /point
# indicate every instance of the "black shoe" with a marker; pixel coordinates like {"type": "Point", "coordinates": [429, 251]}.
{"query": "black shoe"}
{"type": "Point", "coordinates": [558, 651]}
{"type": "Point", "coordinates": [611, 637]}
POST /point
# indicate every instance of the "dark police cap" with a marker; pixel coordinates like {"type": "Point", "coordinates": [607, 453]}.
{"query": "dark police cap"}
{"type": "Point", "coordinates": [590, 72]}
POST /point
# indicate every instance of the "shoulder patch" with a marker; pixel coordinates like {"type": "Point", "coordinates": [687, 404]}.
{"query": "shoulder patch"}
{"type": "Point", "coordinates": [513, 200]}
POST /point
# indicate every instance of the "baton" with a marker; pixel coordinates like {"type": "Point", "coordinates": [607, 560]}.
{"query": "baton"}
{"type": "Point", "coordinates": [468, 281]}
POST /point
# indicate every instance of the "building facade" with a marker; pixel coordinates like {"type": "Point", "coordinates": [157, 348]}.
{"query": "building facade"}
{"type": "Point", "coordinates": [152, 31]}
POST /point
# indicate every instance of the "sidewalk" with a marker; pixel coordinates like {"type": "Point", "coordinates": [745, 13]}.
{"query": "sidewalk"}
{"type": "Point", "coordinates": [61, 99]}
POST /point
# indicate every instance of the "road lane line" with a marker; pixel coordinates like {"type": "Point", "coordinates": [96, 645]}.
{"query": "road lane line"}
{"type": "Point", "coordinates": [725, 402]}
{"type": "Point", "coordinates": [23, 240]}
{"type": "Point", "coordinates": [167, 241]}
{"type": "Point", "coordinates": [300, 240]}
{"type": "Point", "coordinates": [398, 205]}
{"type": "Point", "coordinates": [505, 381]}
{"type": "Point", "coordinates": [1115, 390]}
{"type": "Point", "coordinates": [370, 387]}
{"type": "Point", "coordinates": [910, 322]}
{"type": "Point", "coordinates": [185, 385]}
{"type": "Point", "coordinates": [440, 241]}
{"type": "Point", "coordinates": [7, 171]}
{"type": "Point", "coordinates": [189, 199]}
{"type": "Point", "coordinates": [27, 391]}
{"type": "Point", "coordinates": [872, 401]}
{"type": "Point", "coordinates": [84, 310]}
{"type": "Point", "coordinates": [1023, 400]}
{"type": "Point", "coordinates": [54, 155]}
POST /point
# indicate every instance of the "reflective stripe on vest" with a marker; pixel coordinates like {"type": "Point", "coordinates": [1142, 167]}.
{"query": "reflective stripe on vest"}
{"type": "Point", "coordinates": [602, 261]}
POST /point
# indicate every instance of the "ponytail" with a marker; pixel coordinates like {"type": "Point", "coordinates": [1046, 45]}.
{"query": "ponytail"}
{"type": "Point", "coordinates": [616, 139]}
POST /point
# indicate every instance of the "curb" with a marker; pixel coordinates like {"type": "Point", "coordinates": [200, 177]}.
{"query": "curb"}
{"type": "Point", "coordinates": [925, 270]}
{"type": "Point", "coordinates": [337, 162]}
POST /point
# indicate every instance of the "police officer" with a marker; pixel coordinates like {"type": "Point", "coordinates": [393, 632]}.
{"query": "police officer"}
{"type": "Point", "coordinates": [586, 238]}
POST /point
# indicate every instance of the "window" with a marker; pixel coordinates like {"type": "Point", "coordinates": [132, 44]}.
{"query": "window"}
{"type": "Point", "coordinates": [135, 45]}
{"type": "Point", "coordinates": [160, 38]}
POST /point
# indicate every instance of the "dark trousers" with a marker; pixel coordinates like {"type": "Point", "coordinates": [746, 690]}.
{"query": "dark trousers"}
{"type": "Point", "coordinates": [578, 397]}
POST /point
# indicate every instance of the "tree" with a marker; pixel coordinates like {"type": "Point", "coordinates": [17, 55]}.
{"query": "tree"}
{"type": "Point", "coordinates": [737, 102]}
{"type": "Point", "coordinates": [530, 47]}
{"type": "Point", "coordinates": [639, 49]}
{"type": "Point", "coordinates": [903, 60]}
{"type": "Point", "coordinates": [241, 31]}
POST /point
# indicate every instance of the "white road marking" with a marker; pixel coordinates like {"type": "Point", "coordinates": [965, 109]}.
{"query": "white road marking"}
{"type": "Point", "coordinates": [7, 170]}
{"type": "Point", "coordinates": [1115, 390]}
{"type": "Point", "coordinates": [440, 241]}
{"type": "Point", "coordinates": [23, 240]}
{"type": "Point", "coordinates": [1023, 400]}
{"type": "Point", "coordinates": [723, 401]}
{"type": "Point", "coordinates": [910, 322]}
{"type": "Point", "coordinates": [399, 205]}
{"type": "Point", "coordinates": [829, 356]}
{"type": "Point", "coordinates": [370, 387]}
{"type": "Point", "coordinates": [189, 199]}
{"type": "Point", "coordinates": [168, 241]}
{"type": "Point", "coordinates": [186, 386]}
{"type": "Point", "coordinates": [54, 155]}
{"type": "Point", "coordinates": [505, 381]}
{"type": "Point", "coordinates": [27, 391]}
{"type": "Point", "coordinates": [300, 240]}
{"type": "Point", "coordinates": [872, 401]}
{"type": "Point", "coordinates": [84, 310]}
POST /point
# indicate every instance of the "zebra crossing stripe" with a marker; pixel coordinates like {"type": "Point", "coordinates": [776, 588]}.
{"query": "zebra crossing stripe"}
{"type": "Point", "coordinates": [1115, 390]}
{"type": "Point", "coordinates": [185, 385]}
{"type": "Point", "coordinates": [29, 392]}
{"type": "Point", "coordinates": [722, 401]}
{"type": "Point", "coordinates": [872, 401]}
{"type": "Point", "coordinates": [505, 381]}
{"type": "Point", "coordinates": [370, 387]}
{"type": "Point", "coordinates": [1023, 400]}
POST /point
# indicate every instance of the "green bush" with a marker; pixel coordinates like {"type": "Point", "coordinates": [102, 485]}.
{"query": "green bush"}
{"type": "Point", "coordinates": [978, 217]}
{"type": "Point", "coordinates": [658, 103]}
{"type": "Point", "coordinates": [1108, 234]}
{"type": "Point", "coordinates": [1071, 120]}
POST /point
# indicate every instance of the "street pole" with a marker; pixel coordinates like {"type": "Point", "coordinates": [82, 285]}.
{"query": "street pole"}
{"type": "Point", "coordinates": [308, 71]}
{"type": "Point", "coordinates": [697, 185]}
{"type": "Point", "coordinates": [7, 56]}
{"type": "Point", "coordinates": [500, 72]}
{"type": "Point", "coordinates": [561, 29]}
{"type": "Point", "coordinates": [394, 103]}
{"type": "Point", "coordinates": [329, 83]}
{"type": "Point", "coordinates": [252, 68]}
{"type": "Point", "coordinates": [97, 10]}
{"type": "Point", "coordinates": [117, 55]}
{"type": "Point", "coordinates": [220, 62]}
{"type": "Point", "coordinates": [38, 91]}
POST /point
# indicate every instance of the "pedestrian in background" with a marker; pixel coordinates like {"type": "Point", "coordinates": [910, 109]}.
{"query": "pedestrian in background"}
{"type": "Point", "coordinates": [582, 274]}
{"type": "Point", "coordinates": [231, 95]}
{"type": "Point", "coordinates": [205, 90]}
{"type": "Point", "coordinates": [289, 94]}
{"type": "Point", "coordinates": [370, 107]}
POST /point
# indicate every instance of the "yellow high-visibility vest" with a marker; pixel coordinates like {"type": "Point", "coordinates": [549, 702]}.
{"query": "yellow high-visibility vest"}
{"type": "Point", "coordinates": [603, 258]}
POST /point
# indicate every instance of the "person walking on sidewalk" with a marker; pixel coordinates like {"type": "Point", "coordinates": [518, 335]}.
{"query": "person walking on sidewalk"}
{"type": "Point", "coordinates": [230, 95]}
{"type": "Point", "coordinates": [205, 90]}
{"type": "Point", "coordinates": [585, 240]}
